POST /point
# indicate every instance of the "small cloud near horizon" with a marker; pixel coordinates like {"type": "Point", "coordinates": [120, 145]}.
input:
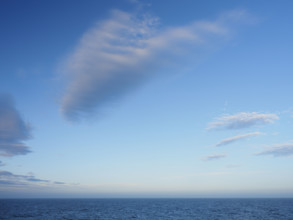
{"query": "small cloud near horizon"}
{"type": "Point", "coordinates": [214, 157]}
{"type": "Point", "coordinates": [279, 150]}
{"type": "Point", "coordinates": [8, 178]}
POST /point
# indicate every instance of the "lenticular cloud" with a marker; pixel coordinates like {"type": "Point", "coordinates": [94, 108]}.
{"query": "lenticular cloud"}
{"type": "Point", "coordinates": [120, 53]}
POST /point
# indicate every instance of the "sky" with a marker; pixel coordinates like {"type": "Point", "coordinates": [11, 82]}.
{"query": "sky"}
{"type": "Point", "coordinates": [145, 98]}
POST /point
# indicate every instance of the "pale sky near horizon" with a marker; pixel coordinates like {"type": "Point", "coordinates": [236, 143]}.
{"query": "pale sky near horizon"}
{"type": "Point", "coordinates": [146, 98]}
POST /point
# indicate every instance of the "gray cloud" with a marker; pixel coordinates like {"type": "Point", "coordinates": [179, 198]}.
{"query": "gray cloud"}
{"type": "Point", "coordinates": [9, 149]}
{"type": "Point", "coordinates": [281, 150]}
{"type": "Point", "coordinates": [59, 183]}
{"type": "Point", "coordinates": [13, 129]}
{"type": "Point", "coordinates": [8, 178]}
{"type": "Point", "coordinates": [236, 138]}
{"type": "Point", "coordinates": [120, 53]}
{"type": "Point", "coordinates": [242, 120]}
{"type": "Point", "coordinates": [7, 182]}
{"type": "Point", "coordinates": [214, 157]}
{"type": "Point", "coordinates": [32, 179]}
{"type": "Point", "coordinates": [5, 173]}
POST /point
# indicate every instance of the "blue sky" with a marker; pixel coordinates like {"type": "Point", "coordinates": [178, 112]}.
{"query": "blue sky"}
{"type": "Point", "coordinates": [146, 98]}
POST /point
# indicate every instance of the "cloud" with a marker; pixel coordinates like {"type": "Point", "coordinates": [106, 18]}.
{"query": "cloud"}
{"type": "Point", "coordinates": [59, 183]}
{"type": "Point", "coordinates": [280, 150]}
{"type": "Point", "coordinates": [242, 120]}
{"type": "Point", "coordinates": [121, 53]}
{"type": "Point", "coordinates": [8, 178]}
{"type": "Point", "coordinates": [236, 138]}
{"type": "Point", "coordinates": [32, 179]}
{"type": "Point", "coordinates": [1, 164]}
{"type": "Point", "coordinates": [7, 182]}
{"type": "Point", "coordinates": [9, 149]}
{"type": "Point", "coordinates": [214, 157]}
{"type": "Point", "coordinates": [13, 129]}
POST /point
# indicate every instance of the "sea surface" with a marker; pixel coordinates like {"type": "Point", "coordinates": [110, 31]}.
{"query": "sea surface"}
{"type": "Point", "coordinates": [211, 209]}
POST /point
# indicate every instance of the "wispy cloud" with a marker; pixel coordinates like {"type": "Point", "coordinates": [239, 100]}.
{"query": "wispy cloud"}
{"type": "Point", "coordinates": [13, 129]}
{"type": "Point", "coordinates": [214, 157]}
{"type": "Point", "coordinates": [59, 183]}
{"type": "Point", "coordinates": [1, 164]}
{"type": "Point", "coordinates": [8, 178]}
{"type": "Point", "coordinates": [280, 150]}
{"type": "Point", "coordinates": [236, 138]}
{"type": "Point", "coordinates": [120, 53]}
{"type": "Point", "coordinates": [242, 120]}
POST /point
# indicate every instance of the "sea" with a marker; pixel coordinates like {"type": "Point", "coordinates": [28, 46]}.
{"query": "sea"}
{"type": "Point", "coordinates": [211, 209]}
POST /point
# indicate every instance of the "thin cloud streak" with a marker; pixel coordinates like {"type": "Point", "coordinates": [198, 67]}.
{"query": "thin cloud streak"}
{"type": "Point", "coordinates": [214, 157]}
{"type": "Point", "coordinates": [8, 178]}
{"type": "Point", "coordinates": [121, 53]}
{"type": "Point", "coordinates": [13, 129]}
{"type": "Point", "coordinates": [242, 120]}
{"type": "Point", "coordinates": [236, 138]}
{"type": "Point", "coordinates": [280, 150]}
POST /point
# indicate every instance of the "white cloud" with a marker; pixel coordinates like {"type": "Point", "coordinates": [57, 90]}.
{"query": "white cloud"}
{"type": "Point", "coordinates": [214, 157]}
{"type": "Point", "coordinates": [280, 150]}
{"type": "Point", "coordinates": [120, 53]}
{"type": "Point", "coordinates": [236, 138]}
{"type": "Point", "coordinates": [13, 129]}
{"type": "Point", "coordinates": [242, 120]}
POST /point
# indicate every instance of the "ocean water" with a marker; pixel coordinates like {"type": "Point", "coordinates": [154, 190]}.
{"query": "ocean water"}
{"type": "Point", "coordinates": [211, 209]}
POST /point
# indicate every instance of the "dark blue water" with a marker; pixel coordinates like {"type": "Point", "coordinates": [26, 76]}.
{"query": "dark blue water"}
{"type": "Point", "coordinates": [211, 209]}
